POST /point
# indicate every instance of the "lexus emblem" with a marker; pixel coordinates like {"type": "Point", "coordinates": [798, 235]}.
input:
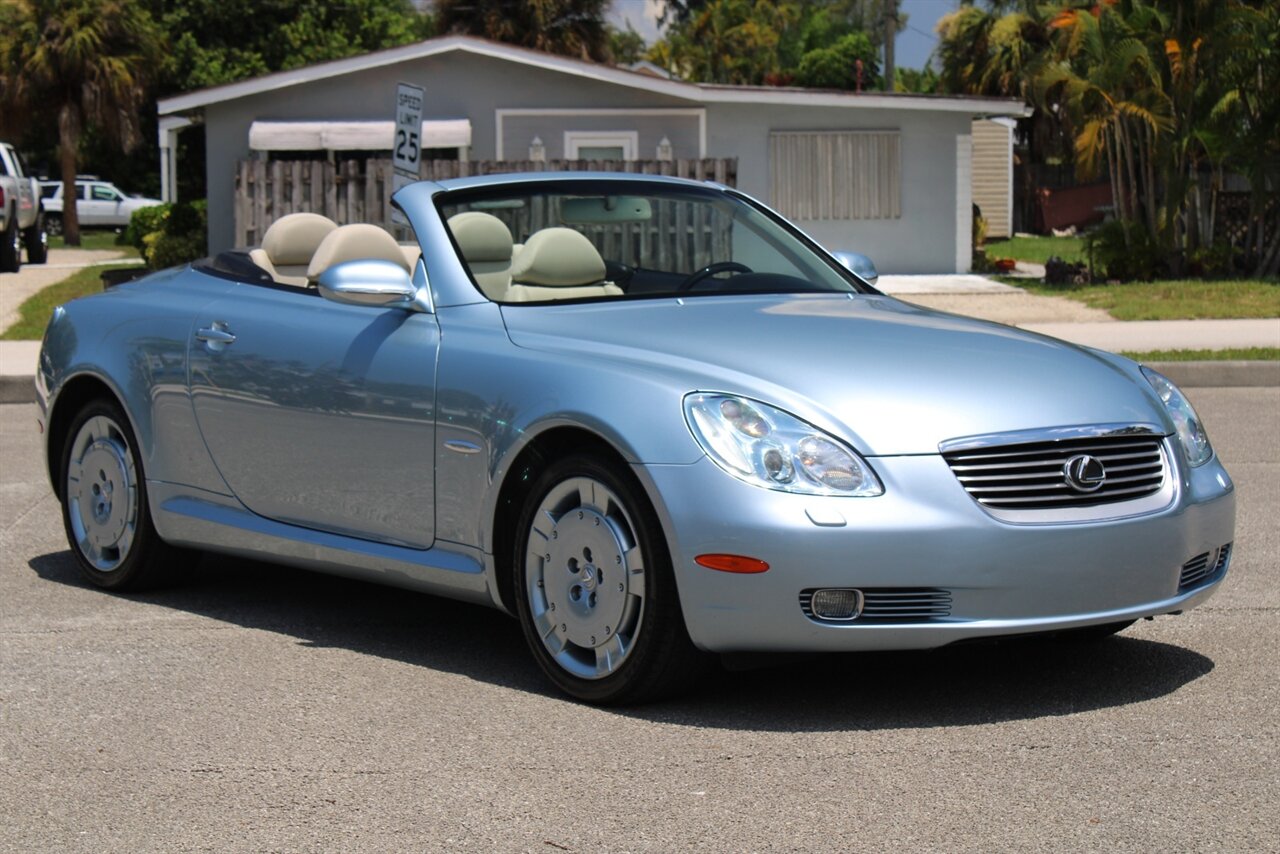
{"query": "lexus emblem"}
{"type": "Point", "coordinates": [1084, 473]}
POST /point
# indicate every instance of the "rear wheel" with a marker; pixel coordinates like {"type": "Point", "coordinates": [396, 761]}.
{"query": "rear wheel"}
{"type": "Point", "coordinates": [11, 248]}
{"type": "Point", "coordinates": [53, 225]}
{"type": "Point", "coordinates": [595, 592]}
{"type": "Point", "coordinates": [104, 502]}
{"type": "Point", "coordinates": [37, 242]}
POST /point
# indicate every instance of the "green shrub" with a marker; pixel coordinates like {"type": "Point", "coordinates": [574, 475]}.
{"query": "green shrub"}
{"type": "Point", "coordinates": [833, 67]}
{"type": "Point", "coordinates": [169, 234]}
{"type": "Point", "coordinates": [981, 263]}
{"type": "Point", "coordinates": [169, 250]}
{"type": "Point", "coordinates": [1126, 251]}
{"type": "Point", "coordinates": [142, 222]}
{"type": "Point", "coordinates": [1212, 262]}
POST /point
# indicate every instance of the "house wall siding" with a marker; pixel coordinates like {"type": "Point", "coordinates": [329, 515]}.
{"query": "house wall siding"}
{"type": "Point", "coordinates": [457, 86]}
{"type": "Point", "coordinates": [924, 238]}
{"type": "Point", "coordinates": [681, 127]}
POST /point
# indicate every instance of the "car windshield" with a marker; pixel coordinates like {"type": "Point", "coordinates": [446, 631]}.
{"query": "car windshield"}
{"type": "Point", "coordinates": [575, 240]}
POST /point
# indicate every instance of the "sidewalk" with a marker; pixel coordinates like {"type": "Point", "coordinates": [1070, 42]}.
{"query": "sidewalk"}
{"type": "Point", "coordinates": [15, 288]}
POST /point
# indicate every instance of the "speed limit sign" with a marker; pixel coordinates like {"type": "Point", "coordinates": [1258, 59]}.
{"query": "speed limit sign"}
{"type": "Point", "coordinates": [407, 148]}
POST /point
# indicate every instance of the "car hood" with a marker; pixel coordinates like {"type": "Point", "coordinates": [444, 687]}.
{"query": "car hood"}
{"type": "Point", "coordinates": [889, 377]}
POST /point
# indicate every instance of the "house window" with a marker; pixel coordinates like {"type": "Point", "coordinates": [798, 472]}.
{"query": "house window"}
{"type": "Point", "coordinates": [601, 144]}
{"type": "Point", "coordinates": [825, 175]}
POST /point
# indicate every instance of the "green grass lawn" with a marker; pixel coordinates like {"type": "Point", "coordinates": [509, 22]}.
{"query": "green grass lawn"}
{"type": "Point", "coordinates": [1247, 354]}
{"type": "Point", "coordinates": [95, 239]}
{"type": "Point", "coordinates": [1189, 299]}
{"type": "Point", "coordinates": [33, 315]}
{"type": "Point", "coordinates": [1037, 249]}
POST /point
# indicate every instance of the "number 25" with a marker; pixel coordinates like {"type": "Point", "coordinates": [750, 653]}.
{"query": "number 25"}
{"type": "Point", "coordinates": [409, 139]}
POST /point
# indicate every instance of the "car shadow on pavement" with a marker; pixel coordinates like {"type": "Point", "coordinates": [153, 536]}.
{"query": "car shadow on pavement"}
{"type": "Point", "coordinates": [961, 685]}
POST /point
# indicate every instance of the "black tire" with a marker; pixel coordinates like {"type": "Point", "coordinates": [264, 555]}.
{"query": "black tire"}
{"type": "Point", "coordinates": [638, 630]}
{"type": "Point", "coordinates": [37, 242]}
{"type": "Point", "coordinates": [11, 247]}
{"type": "Point", "coordinates": [53, 224]}
{"type": "Point", "coordinates": [1093, 634]}
{"type": "Point", "coordinates": [105, 511]}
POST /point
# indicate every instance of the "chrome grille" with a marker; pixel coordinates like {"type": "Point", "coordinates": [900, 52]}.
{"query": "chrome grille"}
{"type": "Point", "coordinates": [892, 604]}
{"type": "Point", "coordinates": [1032, 476]}
{"type": "Point", "coordinates": [1204, 567]}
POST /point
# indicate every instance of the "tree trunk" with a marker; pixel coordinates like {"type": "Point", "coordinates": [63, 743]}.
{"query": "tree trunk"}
{"type": "Point", "coordinates": [890, 36]}
{"type": "Point", "coordinates": [1269, 261]}
{"type": "Point", "coordinates": [1113, 172]}
{"type": "Point", "coordinates": [1149, 154]}
{"type": "Point", "coordinates": [1269, 264]}
{"type": "Point", "coordinates": [68, 148]}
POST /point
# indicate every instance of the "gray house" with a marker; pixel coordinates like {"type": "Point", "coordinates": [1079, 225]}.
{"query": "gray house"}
{"type": "Point", "coordinates": [888, 175]}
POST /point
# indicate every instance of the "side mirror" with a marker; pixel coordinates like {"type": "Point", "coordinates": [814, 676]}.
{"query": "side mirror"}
{"type": "Point", "coordinates": [858, 264]}
{"type": "Point", "coordinates": [368, 282]}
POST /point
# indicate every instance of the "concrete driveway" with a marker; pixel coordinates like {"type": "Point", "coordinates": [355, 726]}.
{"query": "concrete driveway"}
{"type": "Point", "coordinates": [252, 708]}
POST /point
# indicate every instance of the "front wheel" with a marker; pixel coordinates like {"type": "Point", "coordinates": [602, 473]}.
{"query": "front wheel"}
{"type": "Point", "coordinates": [596, 594]}
{"type": "Point", "coordinates": [104, 502]}
{"type": "Point", "coordinates": [53, 225]}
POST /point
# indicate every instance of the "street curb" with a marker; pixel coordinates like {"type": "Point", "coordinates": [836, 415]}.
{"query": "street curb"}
{"type": "Point", "coordinates": [1224, 374]}
{"type": "Point", "coordinates": [17, 389]}
{"type": "Point", "coordinates": [20, 389]}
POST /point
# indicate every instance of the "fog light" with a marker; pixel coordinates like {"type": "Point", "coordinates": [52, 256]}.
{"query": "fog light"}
{"type": "Point", "coordinates": [835, 604]}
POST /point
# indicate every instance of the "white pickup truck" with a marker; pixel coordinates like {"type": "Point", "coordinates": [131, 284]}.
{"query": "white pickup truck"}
{"type": "Point", "coordinates": [21, 215]}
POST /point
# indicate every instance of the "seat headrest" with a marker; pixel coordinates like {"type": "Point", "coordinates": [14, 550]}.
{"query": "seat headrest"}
{"type": "Point", "coordinates": [356, 242]}
{"type": "Point", "coordinates": [292, 239]}
{"type": "Point", "coordinates": [558, 258]}
{"type": "Point", "coordinates": [482, 237]}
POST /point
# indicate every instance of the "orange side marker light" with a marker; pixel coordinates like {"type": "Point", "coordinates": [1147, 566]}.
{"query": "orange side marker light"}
{"type": "Point", "coordinates": [732, 563]}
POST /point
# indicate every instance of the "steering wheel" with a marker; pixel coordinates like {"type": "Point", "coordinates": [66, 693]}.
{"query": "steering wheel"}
{"type": "Point", "coordinates": [711, 270]}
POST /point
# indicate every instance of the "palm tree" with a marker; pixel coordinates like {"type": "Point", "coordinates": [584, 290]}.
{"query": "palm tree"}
{"type": "Point", "coordinates": [89, 62]}
{"type": "Point", "coordinates": [567, 27]}
{"type": "Point", "coordinates": [727, 41]}
{"type": "Point", "coordinates": [1109, 82]}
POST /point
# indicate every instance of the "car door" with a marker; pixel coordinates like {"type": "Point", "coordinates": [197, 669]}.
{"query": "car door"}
{"type": "Point", "coordinates": [26, 189]}
{"type": "Point", "coordinates": [99, 207]}
{"type": "Point", "coordinates": [320, 414]}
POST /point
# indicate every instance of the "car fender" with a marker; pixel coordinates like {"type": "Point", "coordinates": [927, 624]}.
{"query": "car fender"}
{"type": "Point", "coordinates": [134, 340]}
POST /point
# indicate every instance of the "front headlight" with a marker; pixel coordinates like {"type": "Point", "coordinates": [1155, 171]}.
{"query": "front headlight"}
{"type": "Point", "coordinates": [767, 447]}
{"type": "Point", "coordinates": [1191, 434]}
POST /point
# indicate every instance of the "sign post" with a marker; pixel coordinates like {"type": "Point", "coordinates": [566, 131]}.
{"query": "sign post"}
{"type": "Point", "coordinates": [406, 148]}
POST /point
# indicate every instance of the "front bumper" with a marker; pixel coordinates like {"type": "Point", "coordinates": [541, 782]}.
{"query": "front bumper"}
{"type": "Point", "coordinates": [925, 532]}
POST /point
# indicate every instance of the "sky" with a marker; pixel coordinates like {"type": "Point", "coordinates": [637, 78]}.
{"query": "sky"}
{"type": "Point", "coordinates": [913, 47]}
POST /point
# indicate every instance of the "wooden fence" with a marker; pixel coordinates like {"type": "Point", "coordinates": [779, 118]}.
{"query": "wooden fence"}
{"type": "Point", "coordinates": [1248, 231]}
{"type": "Point", "coordinates": [361, 192]}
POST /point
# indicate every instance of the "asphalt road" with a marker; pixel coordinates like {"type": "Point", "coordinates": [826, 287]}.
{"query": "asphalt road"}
{"type": "Point", "coordinates": [258, 708]}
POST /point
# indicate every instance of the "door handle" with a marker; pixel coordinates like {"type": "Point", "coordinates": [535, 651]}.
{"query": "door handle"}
{"type": "Point", "coordinates": [216, 336]}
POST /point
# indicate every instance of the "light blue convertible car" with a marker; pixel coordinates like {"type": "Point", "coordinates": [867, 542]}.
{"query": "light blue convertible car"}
{"type": "Point", "coordinates": [648, 417]}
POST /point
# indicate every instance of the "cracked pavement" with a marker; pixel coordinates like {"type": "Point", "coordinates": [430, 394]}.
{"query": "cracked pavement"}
{"type": "Point", "coordinates": [251, 707]}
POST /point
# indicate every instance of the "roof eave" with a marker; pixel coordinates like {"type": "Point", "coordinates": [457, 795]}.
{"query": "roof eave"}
{"type": "Point", "coordinates": [692, 92]}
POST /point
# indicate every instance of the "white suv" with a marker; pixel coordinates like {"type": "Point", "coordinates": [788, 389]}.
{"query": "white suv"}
{"type": "Point", "coordinates": [99, 204]}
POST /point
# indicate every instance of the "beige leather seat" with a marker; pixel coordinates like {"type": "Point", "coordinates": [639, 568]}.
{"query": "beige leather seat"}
{"type": "Point", "coordinates": [486, 247]}
{"type": "Point", "coordinates": [558, 263]}
{"type": "Point", "coordinates": [356, 242]}
{"type": "Point", "coordinates": [288, 245]}
{"type": "Point", "coordinates": [411, 253]}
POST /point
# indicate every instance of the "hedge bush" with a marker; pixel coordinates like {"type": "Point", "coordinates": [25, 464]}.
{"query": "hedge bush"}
{"type": "Point", "coordinates": [169, 234]}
